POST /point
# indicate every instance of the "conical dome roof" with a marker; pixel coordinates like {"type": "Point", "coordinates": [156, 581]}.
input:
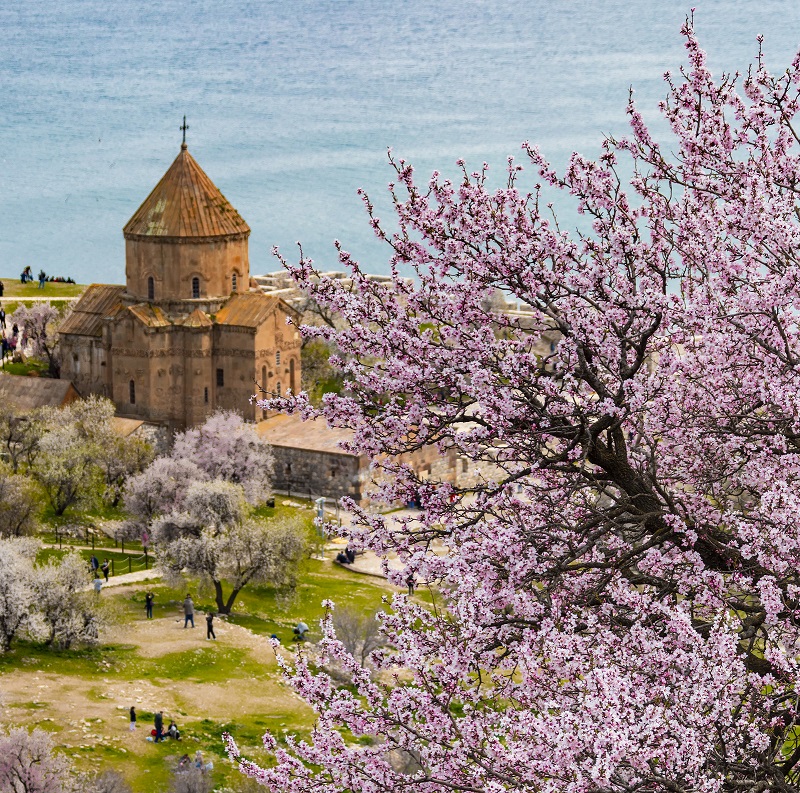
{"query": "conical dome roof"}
{"type": "Point", "coordinates": [185, 204]}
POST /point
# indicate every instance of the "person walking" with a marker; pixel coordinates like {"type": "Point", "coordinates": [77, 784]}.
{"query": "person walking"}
{"type": "Point", "coordinates": [105, 568]}
{"type": "Point", "coordinates": [148, 605]}
{"type": "Point", "coordinates": [2, 288]}
{"type": "Point", "coordinates": [98, 585]}
{"type": "Point", "coordinates": [158, 723]}
{"type": "Point", "coordinates": [2, 318]}
{"type": "Point", "coordinates": [188, 611]}
{"type": "Point", "coordinates": [210, 626]}
{"type": "Point", "coordinates": [94, 563]}
{"type": "Point", "coordinates": [133, 718]}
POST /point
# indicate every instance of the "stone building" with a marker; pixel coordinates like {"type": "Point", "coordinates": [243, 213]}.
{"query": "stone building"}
{"type": "Point", "coordinates": [186, 334]}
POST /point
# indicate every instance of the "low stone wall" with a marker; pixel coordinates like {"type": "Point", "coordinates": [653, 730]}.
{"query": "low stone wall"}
{"type": "Point", "coordinates": [309, 473]}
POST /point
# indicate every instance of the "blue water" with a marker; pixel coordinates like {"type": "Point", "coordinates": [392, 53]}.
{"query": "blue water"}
{"type": "Point", "coordinates": [291, 104]}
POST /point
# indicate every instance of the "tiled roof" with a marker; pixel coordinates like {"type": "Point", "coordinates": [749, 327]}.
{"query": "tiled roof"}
{"type": "Point", "coordinates": [247, 310]}
{"type": "Point", "coordinates": [97, 302]}
{"type": "Point", "coordinates": [150, 315]}
{"type": "Point", "coordinates": [197, 319]}
{"type": "Point", "coordinates": [185, 203]}
{"type": "Point", "coordinates": [313, 435]}
{"type": "Point", "coordinates": [28, 393]}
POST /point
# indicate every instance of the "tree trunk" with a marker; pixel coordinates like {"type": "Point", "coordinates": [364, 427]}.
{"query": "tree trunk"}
{"type": "Point", "coordinates": [218, 598]}
{"type": "Point", "coordinates": [224, 606]}
{"type": "Point", "coordinates": [231, 600]}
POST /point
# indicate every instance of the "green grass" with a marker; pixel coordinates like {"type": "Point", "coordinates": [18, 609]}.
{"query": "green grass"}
{"type": "Point", "coordinates": [24, 369]}
{"type": "Point", "coordinates": [13, 288]}
{"type": "Point", "coordinates": [262, 610]}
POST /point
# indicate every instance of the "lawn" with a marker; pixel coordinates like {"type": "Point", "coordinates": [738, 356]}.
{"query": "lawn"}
{"type": "Point", "coordinates": [13, 288]}
{"type": "Point", "coordinates": [83, 695]}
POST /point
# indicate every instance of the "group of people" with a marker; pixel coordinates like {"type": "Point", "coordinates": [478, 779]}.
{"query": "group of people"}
{"type": "Point", "coordinates": [98, 568]}
{"type": "Point", "coordinates": [26, 276]}
{"type": "Point", "coordinates": [186, 763]}
{"type": "Point", "coordinates": [347, 556]}
{"type": "Point", "coordinates": [157, 733]}
{"type": "Point", "coordinates": [188, 616]}
{"type": "Point", "coordinates": [10, 343]}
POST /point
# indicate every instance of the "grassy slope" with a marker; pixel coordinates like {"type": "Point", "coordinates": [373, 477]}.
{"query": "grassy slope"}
{"type": "Point", "coordinates": [261, 610]}
{"type": "Point", "coordinates": [13, 288]}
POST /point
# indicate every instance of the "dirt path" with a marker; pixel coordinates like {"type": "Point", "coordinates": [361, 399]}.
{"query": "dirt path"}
{"type": "Point", "coordinates": [92, 710]}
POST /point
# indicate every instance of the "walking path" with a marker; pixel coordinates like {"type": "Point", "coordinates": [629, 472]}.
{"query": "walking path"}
{"type": "Point", "coordinates": [130, 578]}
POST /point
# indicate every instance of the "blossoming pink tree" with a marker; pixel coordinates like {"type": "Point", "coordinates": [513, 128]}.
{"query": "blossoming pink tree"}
{"type": "Point", "coordinates": [617, 606]}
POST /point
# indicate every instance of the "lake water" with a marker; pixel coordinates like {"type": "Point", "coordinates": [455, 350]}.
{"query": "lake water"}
{"type": "Point", "coordinates": [291, 104]}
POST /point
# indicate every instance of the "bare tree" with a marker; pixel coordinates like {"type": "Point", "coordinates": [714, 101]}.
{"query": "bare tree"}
{"type": "Point", "coordinates": [359, 631]}
{"type": "Point", "coordinates": [191, 780]}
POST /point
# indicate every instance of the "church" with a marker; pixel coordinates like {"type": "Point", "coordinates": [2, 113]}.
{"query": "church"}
{"type": "Point", "coordinates": [189, 332]}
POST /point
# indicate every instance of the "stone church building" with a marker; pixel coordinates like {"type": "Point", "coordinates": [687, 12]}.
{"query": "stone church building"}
{"type": "Point", "coordinates": [186, 334]}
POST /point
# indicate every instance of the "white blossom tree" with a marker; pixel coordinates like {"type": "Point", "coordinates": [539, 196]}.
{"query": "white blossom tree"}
{"type": "Point", "coordinates": [19, 505]}
{"type": "Point", "coordinates": [66, 468]}
{"type": "Point", "coordinates": [29, 764]}
{"type": "Point", "coordinates": [161, 488]}
{"type": "Point", "coordinates": [66, 611]}
{"type": "Point", "coordinates": [19, 436]}
{"type": "Point", "coordinates": [211, 537]}
{"type": "Point", "coordinates": [228, 448]}
{"type": "Point", "coordinates": [16, 588]}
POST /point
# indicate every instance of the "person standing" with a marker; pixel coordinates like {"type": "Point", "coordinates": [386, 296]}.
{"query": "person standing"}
{"type": "Point", "coordinates": [2, 288]}
{"type": "Point", "coordinates": [133, 718]}
{"type": "Point", "coordinates": [158, 723]}
{"type": "Point", "coordinates": [188, 611]}
{"type": "Point", "coordinates": [105, 568]}
{"type": "Point", "coordinates": [2, 317]}
{"type": "Point", "coordinates": [210, 626]}
{"type": "Point", "coordinates": [94, 563]}
{"type": "Point", "coordinates": [148, 605]}
{"type": "Point", "coordinates": [98, 585]}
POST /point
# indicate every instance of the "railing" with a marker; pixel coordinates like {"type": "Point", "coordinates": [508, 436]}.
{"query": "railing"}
{"type": "Point", "coordinates": [134, 564]}
{"type": "Point", "coordinates": [88, 537]}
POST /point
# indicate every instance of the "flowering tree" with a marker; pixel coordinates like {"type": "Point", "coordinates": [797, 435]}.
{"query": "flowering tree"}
{"type": "Point", "coordinates": [66, 468]}
{"type": "Point", "coordinates": [28, 764]}
{"type": "Point", "coordinates": [16, 588]}
{"type": "Point", "coordinates": [161, 488]}
{"type": "Point", "coordinates": [617, 601]}
{"type": "Point", "coordinates": [213, 538]}
{"type": "Point", "coordinates": [19, 505]}
{"type": "Point", "coordinates": [66, 612]}
{"type": "Point", "coordinates": [226, 447]}
{"type": "Point", "coordinates": [39, 323]}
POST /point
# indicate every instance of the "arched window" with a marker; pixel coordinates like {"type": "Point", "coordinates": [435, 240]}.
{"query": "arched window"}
{"type": "Point", "coordinates": [151, 288]}
{"type": "Point", "coordinates": [264, 386]}
{"type": "Point", "coordinates": [291, 376]}
{"type": "Point", "coordinates": [195, 287]}
{"type": "Point", "coordinates": [132, 392]}
{"type": "Point", "coordinates": [234, 281]}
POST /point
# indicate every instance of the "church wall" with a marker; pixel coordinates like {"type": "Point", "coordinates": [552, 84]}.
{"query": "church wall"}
{"type": "Point", "coordinates": [234, 356]}
{"type": "Point", "coordinates": [84, 363]}
{"type": "Point", "coordinates": [173, 265]}
{"type": "Point", "coordinates": [155, 363]}
{"type": "Point", "coordinates": [198, 374]}
{"type": "Point", "coordinates": [275, 336]}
